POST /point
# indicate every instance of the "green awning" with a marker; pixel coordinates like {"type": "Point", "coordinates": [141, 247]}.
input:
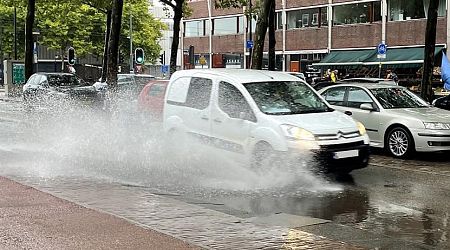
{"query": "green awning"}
{"type": "Point", "coordinates": [395, 57]}
{"type": "Point", "coordinates": [346, 58]}
{"type": "Point", "coordinates": [401, 56]}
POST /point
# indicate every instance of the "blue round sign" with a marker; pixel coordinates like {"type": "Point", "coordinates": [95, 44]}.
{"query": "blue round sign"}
{"type": "Point", "coordinates": [381, 48]}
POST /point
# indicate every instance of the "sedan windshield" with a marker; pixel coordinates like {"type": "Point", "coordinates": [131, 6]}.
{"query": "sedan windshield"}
{"type": "Point", "coordinates": [393, 98]}
{"type": "Point", "coordinates": [285, 98]}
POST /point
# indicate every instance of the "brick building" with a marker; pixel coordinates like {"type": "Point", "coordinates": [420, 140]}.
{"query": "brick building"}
{"type": "Point", "coordinates": [324, 33]}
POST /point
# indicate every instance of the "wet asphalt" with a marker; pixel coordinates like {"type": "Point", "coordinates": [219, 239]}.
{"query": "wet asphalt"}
{"type": "Point", "coordinates": [392, 204]}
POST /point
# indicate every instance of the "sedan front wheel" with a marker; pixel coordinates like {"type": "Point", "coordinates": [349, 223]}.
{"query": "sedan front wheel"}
{"type": "Point", "coordinates": [399, 143]}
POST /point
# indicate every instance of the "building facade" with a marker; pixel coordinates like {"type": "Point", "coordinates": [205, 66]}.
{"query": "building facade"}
{"type": "Point", "coordinates": [323, 33]}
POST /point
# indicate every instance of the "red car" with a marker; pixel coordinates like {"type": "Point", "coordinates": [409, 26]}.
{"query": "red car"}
{"type": "Point", "coordinates": [151, 98]}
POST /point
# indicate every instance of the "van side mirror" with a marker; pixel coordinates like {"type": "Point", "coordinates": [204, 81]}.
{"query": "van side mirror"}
{"type": "Point", "coordinates": [367, 106]}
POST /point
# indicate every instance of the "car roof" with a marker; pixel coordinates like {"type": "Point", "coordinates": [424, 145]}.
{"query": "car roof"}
{"type": "Point", "coordinates": [54, 73]}
{"type": "Point", "coordinates": [365, 85]}
{"type": "Point", "coordinates": [367, 79]}
{"type": "Point", "coordinates": [239, 75]}
{"type": "Point", "coordinates": [142, 75]}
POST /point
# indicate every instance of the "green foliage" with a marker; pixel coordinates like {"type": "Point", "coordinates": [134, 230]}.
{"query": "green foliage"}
{"type": "Point", "coordinates": [80, 24]}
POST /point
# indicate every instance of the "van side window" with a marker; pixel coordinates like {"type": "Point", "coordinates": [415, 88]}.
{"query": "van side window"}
{"type": "Point", "coordinates": [232, 102]}
{"type": "Point", "coordinates": [178, 91]}
{"type": "Point", "coordinates": [335, 96]}
{"type": "Point", "coordinates": [199, 93]}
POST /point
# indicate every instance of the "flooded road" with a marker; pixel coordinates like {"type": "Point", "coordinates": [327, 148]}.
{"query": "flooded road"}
{"type": "Point", "coordinates": [126, 166]}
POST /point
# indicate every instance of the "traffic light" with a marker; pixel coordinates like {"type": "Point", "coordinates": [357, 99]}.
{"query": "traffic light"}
{"type": "Point", "coordinates": [71, 53]}
{"type": "Point", "coordinates": [139, 56]}
{"type": "Point", "coordinates": [161, 58]}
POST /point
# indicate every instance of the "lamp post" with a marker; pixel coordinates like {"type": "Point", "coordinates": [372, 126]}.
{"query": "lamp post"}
{"type": "Point", "coordinates": [35, 52]}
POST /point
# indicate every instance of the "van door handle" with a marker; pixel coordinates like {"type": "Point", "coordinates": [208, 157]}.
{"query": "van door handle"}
{"type": "Point", "coordinates": [204, 118]}
{"type": "Point", "coordinates": [217, 120]}
{"type": "Point", "coordinates": [348, 113]}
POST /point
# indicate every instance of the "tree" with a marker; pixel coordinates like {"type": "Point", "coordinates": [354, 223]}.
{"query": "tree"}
{"type": "Point", "coordinates": [7, 28]}
{"type": "Point", "coordinates": [113, 43]}
{"type": "Point", "coordinates": [180, 10]}
{"type": "Point", "coordinates": [430, 43]}
{"type": "Point", "coordinates": [265, 10]}
{"type": "Point", "coordinates": [31, 7]}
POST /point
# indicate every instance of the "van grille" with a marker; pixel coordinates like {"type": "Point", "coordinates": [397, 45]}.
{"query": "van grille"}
{"type": "Point", "coordinates": [339, 135]}
{"type": "Point", "coordinates": [342, 146]}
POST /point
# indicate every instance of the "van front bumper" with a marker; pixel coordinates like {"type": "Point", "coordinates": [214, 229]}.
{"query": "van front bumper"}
{"type": "Point", "coordinates": [342, 158]}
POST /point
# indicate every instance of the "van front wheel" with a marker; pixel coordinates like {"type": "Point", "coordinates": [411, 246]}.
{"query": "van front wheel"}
{"type": "Point", "coordinates": [264, 157]}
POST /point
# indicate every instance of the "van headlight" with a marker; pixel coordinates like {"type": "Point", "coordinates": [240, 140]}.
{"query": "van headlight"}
{"type": "Point", "coordinates": [437, 125]}
{"type": "Point", "coordinates": [296, 133]}
{"type": "Point", "coordinates": [361, 128]}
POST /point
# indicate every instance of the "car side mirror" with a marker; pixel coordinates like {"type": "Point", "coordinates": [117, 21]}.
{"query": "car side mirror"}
{"type": "Point", "coordinates": [367, 106]}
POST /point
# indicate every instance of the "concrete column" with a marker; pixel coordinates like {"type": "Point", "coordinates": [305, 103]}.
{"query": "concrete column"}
{"type": "Point", "coordinates": [448, 27]}
{"type": "Point", "coordinates": [330, 23]}
{"type": "Point", "coordinates": [384, 12]}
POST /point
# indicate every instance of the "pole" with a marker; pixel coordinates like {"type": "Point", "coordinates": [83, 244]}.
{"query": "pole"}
{"type": "Point", "coordinates": [283, 21]}
{"type": "Point", "coordinates": [245, 37]}
{"type": "Point", "coordinates": [15, 32]}
{"type": "Point", "coordinates": [250, 36]}
{"type": "Point", "coordinates": [131, 42]}
{"type": "Point", "coordinates": [379, 69]}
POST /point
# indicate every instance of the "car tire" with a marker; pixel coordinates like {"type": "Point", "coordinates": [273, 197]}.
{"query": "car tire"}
{"type": "Point", "coordinates": [399, 143]}
{"type": "Point", "coordinates": [263, 157]}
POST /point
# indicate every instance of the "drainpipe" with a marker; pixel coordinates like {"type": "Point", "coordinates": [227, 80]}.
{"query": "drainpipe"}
{"type": "Point", "coordinates": [182, 43]}
{"type": "Point", "coordinates": [283, 21]}
{"type": "Point", "coordinates": [244, 35]}
{"type": "Point", "coordinates": [210, 34]}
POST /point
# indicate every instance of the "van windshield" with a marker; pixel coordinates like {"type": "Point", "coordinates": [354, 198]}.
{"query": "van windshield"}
{"type": "Point", "coordinates": [285, 98]}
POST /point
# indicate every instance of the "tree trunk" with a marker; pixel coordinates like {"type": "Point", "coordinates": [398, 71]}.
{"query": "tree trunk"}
{"type": "Point", "coordinates": [272, 39]}
{"type": "Point", "coordinates": [113, 46]}
{"type": "Point", "coordinates": [105, 49]}
{"type": "Point", "coordinates": [430, 42]}
{"type": "Point", "coordinates": [178, 14]}
{"type": "Point", "coordinates": [29, 39]}
{"type": "Point", "coordinates": [260, 33]}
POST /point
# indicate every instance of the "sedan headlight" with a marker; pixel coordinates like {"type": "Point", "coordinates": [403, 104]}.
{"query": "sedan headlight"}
{"type": "Point", "coordinates": [437, 125]}
{"type": "Point", "coordinates": [361, 128]}
{"type": "Point", "coordinates": [297, 133]}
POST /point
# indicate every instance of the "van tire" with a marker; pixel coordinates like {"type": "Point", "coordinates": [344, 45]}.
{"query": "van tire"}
{"type": "Point", "coordinates": [263, 157]}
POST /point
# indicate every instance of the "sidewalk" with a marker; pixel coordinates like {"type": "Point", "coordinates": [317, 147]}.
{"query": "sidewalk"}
{"type": "Point", "coordinates": [30, 219]}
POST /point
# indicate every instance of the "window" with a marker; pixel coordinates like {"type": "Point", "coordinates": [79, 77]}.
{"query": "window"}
{"type": "Point", "coordinates": [199, 93]}
{"type": "Point", "coordinates": [357, 13]}
{"type": "Point", "coordinates": [178, 91]}
{"type": "Point", "coordinates": [232, 102]}
{"type": "Point", "coordinates": [411, 9]}
{"type": "Point", "coordinates": [225, 26]}
{"type": "Point", "coordinates": [279, 24]}
{"type": "Point", "coordinates": [241, 25]}
{"type": "Point", "coordinates": [156, 90]}
{"type": "Point", "coordinates": [335, 96]}
{"type": "Point", "coordinates": [303, 18]}
{"type": "Point", "coordinates": [357, 96]}
{"type": "Point", "coordinates": [194, 28]}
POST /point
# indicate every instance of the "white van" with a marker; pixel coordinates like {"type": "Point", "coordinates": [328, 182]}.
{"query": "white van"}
{"type": "Point", "coordinates": [259, 114]}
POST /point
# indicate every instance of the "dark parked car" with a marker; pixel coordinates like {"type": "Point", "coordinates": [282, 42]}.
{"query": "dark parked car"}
{"type": "Point", "coordinates": [50, 89]}
{"type": "Point", "coordinates": [442, 102]}
{"type": "Point", "coordinates": [129, 85]}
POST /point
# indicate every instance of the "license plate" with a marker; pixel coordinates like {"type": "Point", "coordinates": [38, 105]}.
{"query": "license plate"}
{"type": "Point", "coordinates": [346, 154]}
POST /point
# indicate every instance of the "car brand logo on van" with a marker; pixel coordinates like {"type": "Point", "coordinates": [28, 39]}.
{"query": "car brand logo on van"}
{"type": "Point", "coordinates": [340, 135]}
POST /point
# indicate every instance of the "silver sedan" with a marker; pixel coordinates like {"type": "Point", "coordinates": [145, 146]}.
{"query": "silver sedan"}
{"type": "Point", "coordinates": [395, 118]}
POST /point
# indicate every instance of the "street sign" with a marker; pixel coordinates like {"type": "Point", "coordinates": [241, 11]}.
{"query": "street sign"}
{"type": "Point", "coordinates": [249, 44]}
{"type": "Point", "coordinates": [164, 69]}
{"type": "Point", "coordinates": [18, 73]}
{"type": "Point", "coordinates": [381, 50]}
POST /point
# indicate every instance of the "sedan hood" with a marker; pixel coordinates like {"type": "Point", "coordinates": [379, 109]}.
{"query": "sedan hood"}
{"type": "Point", "coordinates": [429, 114]}
{"type": "Point", "coordinates": [320, 123]}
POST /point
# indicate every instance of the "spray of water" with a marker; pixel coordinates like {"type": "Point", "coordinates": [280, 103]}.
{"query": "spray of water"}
{"type": "Point", "coordinates": [125, 146]}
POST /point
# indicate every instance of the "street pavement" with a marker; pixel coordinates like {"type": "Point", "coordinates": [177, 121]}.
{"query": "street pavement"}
{"type": "Point", "coordinates": [392, 204]}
